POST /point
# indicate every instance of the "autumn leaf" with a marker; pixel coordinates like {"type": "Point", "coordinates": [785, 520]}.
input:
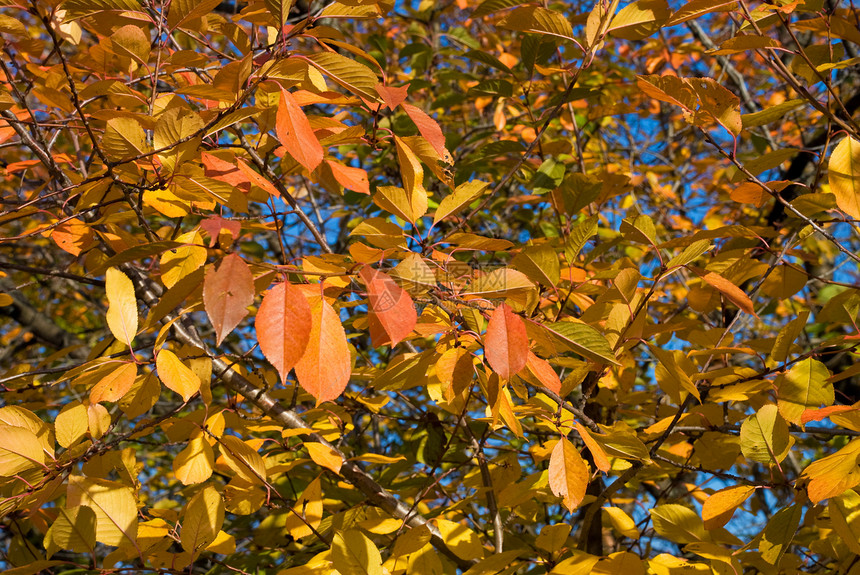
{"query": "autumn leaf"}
{"type": "Point", "coordinates": [295, 133]}
{"type": "Point", "coordinates": [325, 367]}
{"type": "Point", "coordinates": [732, 292]}
{"type": "Point", "coordinates": [284, 327]}
{"type": "Point", "coordinates": [719, 507]}
{"type": "Point", "coordinates": [843, 172]}
{"type": "Point", "coordinates": [174, 374]}
{"type": "Point", "coordinates": [114, 385]}
{"type": "Point", "coordinates": [568, 474]}
{"type": "Point", "coordinates": [391, 305]}
{"type": "Point", "coordinates": [506, 343]}
{"type": "Point", "coordinates": [122, 306]}
{"type": "Point", "coordinates": [227, 293]}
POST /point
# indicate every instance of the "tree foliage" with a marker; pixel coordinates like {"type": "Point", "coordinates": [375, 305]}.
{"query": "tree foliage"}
{"type": "Point", "coordinates": [368, 287]}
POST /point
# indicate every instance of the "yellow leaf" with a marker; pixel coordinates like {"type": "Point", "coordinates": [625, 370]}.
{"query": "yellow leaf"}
{"type": "Point", "coordinates": [844, 176]}
{"type": "Point", "coordinates": [833, 475]}
{"type": "Point", "coordinates": [413, 179]}
{"type": "Point", "coordinates": [224, 544]}
{"type": "Point", "coordinates": [325, 456]}
{"type": "Point", "coordinates": [122, 306]}
{"type": "Point", "coordinates": [310, 507]}
{"type": "Point", "coordinates": [463, 195]}
{"type": "Point", "coordinates": [622, 522]}
{"type": "Point", "coordinates": [74, 529]}
{"type": "Point", "coordinates": [552, 538]}
{"type": "Point", "coordinates": [243, 459]}
{"type": "Point", "coordinates": [677, 523]}
{"type": "Point", "coordinates": [98, 419]}
{"type": "Point", "coordinates": [845, 517]}
{"type": "Point", "coordinates": [804, 386]}
{"type": "Point", "coordinates": [20, 450]}
{"type": "Point", "coordinates": [464, 542]}
{"type": "Point", "coordinates": [176, 375]}
{"type": "Point", "coordinates": [195, 463]}
{"type": "Point", "coordinates": [352, 553]}
{"type": "Point", "coordinates": [71, 424]}
{"type": "Point", "coordinates": [113, 503]}
{"type": "Point", "coordinates": [764, 436]}
{"type": "Point", "coordinates": [568, 474]}
{"type": "Point", "coordinates": [204, 516]}
{"type": "Point", "coordinates": [182, 261]}
{"type": "Point", "coordinates": [720, 506]}
{"type": "Point", "coordinates": [601, 460]}
{"type": "Point", "coordinates": [166, 203]}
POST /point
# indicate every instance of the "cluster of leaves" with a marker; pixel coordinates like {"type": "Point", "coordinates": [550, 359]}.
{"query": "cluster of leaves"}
{"type": "Point", "coordinates": [368, 287]}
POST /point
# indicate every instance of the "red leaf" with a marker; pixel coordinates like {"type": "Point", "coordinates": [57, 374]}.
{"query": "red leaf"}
{"type": "Point", "coordinates": [284, 326]}
{"type": "Point", "coordinates": [218, 169]}
{"type": "Point", "coordinates": [227, 293]}
{"type": "Point", "coordinates": [215, 224]}
{"type": "Point", "coordinates": [325, 367]}
{"type": "Point", "coordinates": [506, 343]}
{"type": "Point", "coordinates": [354, 179]}
{"type": "Point", "coordinates": [392, 96]}
{"type": "Point", "coordinates": [390, 305]}
{"type": "Point", "coordinates": [295, 133]}
{"type": "Point", "coordinates": [544, 373]}
{"type": "Point", "coordinates": [429, 129]}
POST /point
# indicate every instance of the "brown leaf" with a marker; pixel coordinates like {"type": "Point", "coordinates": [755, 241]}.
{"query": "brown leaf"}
{"type": "Point", "coordinates": [227, 293]}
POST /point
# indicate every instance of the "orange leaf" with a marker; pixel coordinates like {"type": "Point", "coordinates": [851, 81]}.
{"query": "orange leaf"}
{"type": "Point", "coordinates": [506, 343]}
{"type": "Point", "coordinates": [392, 96]}
{"type": "Point", "coordinates": [176, 375]}
{"type": "Point", "coordinates": [720, 506]}
{"type": "Point", "coordinates": [73, 236]}
{"type": "Point", "coordinates": [391, 305]}
{"type": "Point", "coordinates": [354, 179]}
{"type": "Point", "coordinates": [429, 129]}
{"type": "Point", "coordinates": [325, 456]}
{"type": "Point", "coordinates": [825, 412]}
{"type": "Point", "coordinates": [256, 179]}
{"type": "Point", "coordinates": [543, 372]}
{"type": "Point", "coordinates": [601, 460]}
{"type": "Point", "coordinates": [295, 133]}
{"type": "Point", "coordinates": [325, 367]}
{"type": "Point", "coordinates": [283, 325]}
{"type": "Point", "coordinates": [568, 474]}
{"type": "Point", "coordinates": [227, 292]}
{"type": "Point", "coordinates": [735, 294]}
{"type": "Point", "coordinates": [114, 385]}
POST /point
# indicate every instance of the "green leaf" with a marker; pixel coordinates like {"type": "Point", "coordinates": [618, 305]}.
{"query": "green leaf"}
{"type": "Point", "coordinates": [348, 73]}
{"type": "Point", "coordinates": [778, 534]}
{"type": "Point", "coordinates": [582, 339]}
{"type": "Point", "coordinates": [463, 195]}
